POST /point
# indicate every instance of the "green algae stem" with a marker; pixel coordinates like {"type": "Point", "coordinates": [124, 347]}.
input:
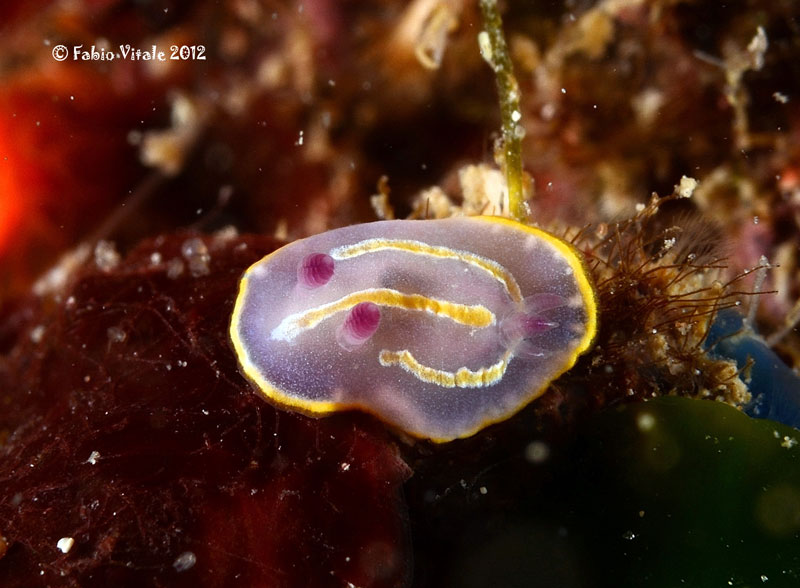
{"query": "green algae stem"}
{"type": "Point", "coordinates": [495, 52]}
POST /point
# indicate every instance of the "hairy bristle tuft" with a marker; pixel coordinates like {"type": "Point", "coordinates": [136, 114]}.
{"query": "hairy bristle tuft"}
{"type": "Point", "coordinates": [660, 287]}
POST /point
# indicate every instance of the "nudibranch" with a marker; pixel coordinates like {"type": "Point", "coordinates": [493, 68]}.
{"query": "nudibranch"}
{"type": "Point", "coordinates": [438, 327]}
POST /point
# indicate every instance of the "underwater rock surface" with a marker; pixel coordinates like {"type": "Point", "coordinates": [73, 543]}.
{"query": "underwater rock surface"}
{"type": "Point", "coordinates": [133, 453]}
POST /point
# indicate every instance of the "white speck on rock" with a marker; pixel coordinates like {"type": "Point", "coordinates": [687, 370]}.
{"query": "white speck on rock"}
{"type": "Point", "coordinates": [37, 333]}
{"type": "Point", "coordinates": [106, 256]}
{"type": "Point", "coordinates": [185, 561]}
{"type": "Point", "coordinates": [174, 268]}
{"type": "Point", "coordinates": [195, 252]}
{"type": "Point", "coordinates": [65, 544]}
{"type": "Point", "coordinates": [116, 335]}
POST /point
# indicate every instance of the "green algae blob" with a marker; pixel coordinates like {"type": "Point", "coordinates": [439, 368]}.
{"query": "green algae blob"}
{"type": "Point", "coordinates": [692, 493]}
{"type": "Point", "coordinates": [668, 493]}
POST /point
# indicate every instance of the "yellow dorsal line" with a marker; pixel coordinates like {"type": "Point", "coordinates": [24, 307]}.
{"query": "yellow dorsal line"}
{"type": "Point", "coordinates": [461, 378]}
{"type": "Point", "coordinates": [497, 271]}
{"type": "Point", "coordinates": [477, 316]}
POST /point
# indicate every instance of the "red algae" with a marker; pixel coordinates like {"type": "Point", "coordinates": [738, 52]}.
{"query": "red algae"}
{"type": "Point", "coordinates": [133, 453]}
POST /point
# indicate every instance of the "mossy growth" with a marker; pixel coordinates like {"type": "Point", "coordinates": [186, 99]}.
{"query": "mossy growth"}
{"type": "Point", "coordinates": [659, 289]}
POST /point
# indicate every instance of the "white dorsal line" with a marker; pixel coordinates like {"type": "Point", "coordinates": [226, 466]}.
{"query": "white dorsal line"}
{"type": "Point", "coordinates": [494, 269]}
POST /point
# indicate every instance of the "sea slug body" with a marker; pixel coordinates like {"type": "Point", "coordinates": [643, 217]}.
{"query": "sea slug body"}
{"type": "Point", "coordinates": [438, 327]}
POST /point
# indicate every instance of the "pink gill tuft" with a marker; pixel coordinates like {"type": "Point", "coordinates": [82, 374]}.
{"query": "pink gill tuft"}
{"type": "Point", "coordinates": [315, 270]}
{"type": "Point", "coordinates": [361, 323]}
